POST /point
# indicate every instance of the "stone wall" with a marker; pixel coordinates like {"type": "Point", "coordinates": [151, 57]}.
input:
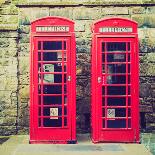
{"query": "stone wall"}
{"type": "Point", "coordinates": [15, 18]}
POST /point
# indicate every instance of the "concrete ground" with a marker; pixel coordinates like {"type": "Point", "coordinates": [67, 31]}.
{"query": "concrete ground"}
{"type": "Point", "coordinates": [18, 145]}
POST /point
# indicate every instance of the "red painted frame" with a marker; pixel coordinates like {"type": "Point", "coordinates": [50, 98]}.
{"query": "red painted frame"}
{"type": "Point", "coordinates": [106, 134]}
{"type": "Point", "coordinates": [53, 134]}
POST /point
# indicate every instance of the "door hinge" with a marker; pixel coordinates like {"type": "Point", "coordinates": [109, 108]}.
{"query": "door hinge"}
{"type": "Point", "coordinates": [99, 79]}
{"type": "Point", "coordinates": [69, 78]}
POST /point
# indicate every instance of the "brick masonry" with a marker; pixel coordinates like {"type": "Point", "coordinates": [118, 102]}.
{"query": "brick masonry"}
{"type": "Point", "coordinates": [15, 18]}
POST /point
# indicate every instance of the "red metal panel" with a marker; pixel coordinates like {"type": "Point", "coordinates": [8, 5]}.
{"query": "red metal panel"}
{"type": "Point", "coordinates": [52, 81]}
{"type": "Point", "coordinates": [115, 81]}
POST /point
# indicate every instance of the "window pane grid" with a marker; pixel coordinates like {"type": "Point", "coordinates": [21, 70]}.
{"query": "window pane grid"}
{"type": "Point", "coordinates": [114, 54]}
{"type": "Point", "coordinates": [47, 54]}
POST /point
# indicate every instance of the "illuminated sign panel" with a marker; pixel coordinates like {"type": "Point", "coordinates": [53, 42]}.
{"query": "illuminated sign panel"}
{"type": "Point", "coordinates": [115, 29]}
{"type": "Point", "coordinates": [52, 29]}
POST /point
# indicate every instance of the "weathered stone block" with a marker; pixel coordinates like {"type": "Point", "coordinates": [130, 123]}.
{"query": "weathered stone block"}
{"type": "Point", "coordinates": [115, 11]}
{"type": "Point", "coordinates": [27, 15]}
{"type": "Point", "coordinates": [81, 13]}
{"type": "Point", "coordinates": [8, 61]}
{"type": "Point", "coordinates": [147, 69]}
{"type": "Point", "coordinates": [145, 90]}
{"type": "Point", "coordinates": [146, 108]}
{"type": "Point", "coordinates": [24, 48]}
{"type": "Point", "coordinates": [23, 130]}
{"type": "Point", "coordinates": [79, 26]}
{"type": "Point", "coordinates": [151, 33]}
{"type": "Point", "coordinates": [7, 121]}
{"type": "Point", "coordinates": [142, 33]}
{"type": "Point", "coordinates": [10, 34]}
{"type": "Point", "coordinates": [150, 10]}
{"type": "Point", "coordinates": [24, 79]}
{"type": "Point", "coordinates": [24, 93]}
{"type": "Point", "coordinates": [24, 38]}
{"type": "Point", "coordinates": [148, 58]}
{"type": "Point", "coordinates": [8, 113]}
{"type": "Point", "coordinates": [63, 12]}
{"type": "Point", "coordinates": [8, 19]}
{"type": "Point", "coordinates": [7, 130]}
{"type": "Point", "coordinates": [150, 117]}
{"type": "Point", "coordinates": [8, 27]}
{"type": "Point", "coordinates": [24, 29]}
{"type": "Point", "coordinates": [147, 45]}
{"type": "Point", "coordinates": [144, 20]}
{"type": "Point", "coordinates": [138, 10]}
{"type": "Point", "coordinates": [9, 10]}
{"type": "Point", "coordinates": [24, 65]}
{"type": "Point", "coordinates": [83, 66]}
{"type": "Point", "coordinates": [8, 52]}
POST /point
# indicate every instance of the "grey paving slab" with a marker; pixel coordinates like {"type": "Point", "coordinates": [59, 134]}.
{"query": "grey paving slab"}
{"type": "Point", "coordinates": [18, 145]}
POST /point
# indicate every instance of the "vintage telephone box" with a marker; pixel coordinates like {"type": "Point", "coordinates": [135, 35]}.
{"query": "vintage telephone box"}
{"type": "Point", "coordinates": [115, 81]}
{"type": "Point", "coordinates": [52, 81]}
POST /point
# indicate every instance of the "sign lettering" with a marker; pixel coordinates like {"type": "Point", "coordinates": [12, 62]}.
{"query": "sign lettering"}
{"type": "Point", "coordinates": [115, 29]}
{"type": "Point", "coordinates": [52, 29]}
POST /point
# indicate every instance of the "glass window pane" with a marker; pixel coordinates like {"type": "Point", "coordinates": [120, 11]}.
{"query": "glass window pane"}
{"type": "Point", "coordinates": [51, 78]}
{"type": "Point", "coordinates": [52, 89]}
{"type": "Point", "coordinates": [116, 57]}
{"type": "Point", "coordinates": [49, 122]}
{"type": "Point", "coordinates": [52, 45]}
{"type": "Point", "coordinates": [65, 110]}
{"type": "Point", "coordinates": [116, 46]}
{"type": "Point", "coordinates": [116, 68]}
{"type": "Point", "coordinates": [65, 121]}
{"type": "Point", "coordinates": [120, 112]}
{"type": "Point", "coordinates": [103, 47]}
{"type": "Point", "coordinates": [115, 90]}
{"type": "Point", "coordinates": [52, 111]}
{"type": "Point", "coordinates": [39, 122]}
{"type": "Point", "coordinates": [103, 101]}
{"type": "Point", "coordinates": [52, 100]}
{"type": "Point", "coordinates": [129, 123]}
{"type": "Point", "coordinates": [129, 101]}
{"type": "Point", "coordinates": [121, 123]}
{"type": "Point", "coordinates": [116, 101]}
{"type": "Point", "coordinates": [64, 45]}
{"type": "Point", "coordinates": [103, 123]}
{"type": "Point", "coordinates": [103, 90]}
{"type": "Point", "coordinates": [115, 79]}
{"type": "Point", "coordinates": [103, 58]}
{"type": "Point", "coordinates": [116, 112]}
{"type": "Point", "coordinates": [103, 112]}
{"type": "Point", "coordinates": [52, 67]}
{"type": "Point", "coordinates": [39, 56]}
{"type": "Point", "coordinates": [52, 56]}
{"type": "Point", "coordinates": [129, 112]}
{"type": "Point", "coordinates": [39, 45]}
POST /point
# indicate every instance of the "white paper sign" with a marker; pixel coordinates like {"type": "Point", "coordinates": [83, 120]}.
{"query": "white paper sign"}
{"type": "Point", "coordinates": [54, 112]}
{"type": "Point", "coordinates": [110, 113]}
{"type": "Point", "coordinates": [48, 77]}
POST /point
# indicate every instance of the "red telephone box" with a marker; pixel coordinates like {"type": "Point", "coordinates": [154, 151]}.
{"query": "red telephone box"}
{"type": "Point", "coordinates": [52, 81]}
{"type": "Point", "coordinates": [115, 81]}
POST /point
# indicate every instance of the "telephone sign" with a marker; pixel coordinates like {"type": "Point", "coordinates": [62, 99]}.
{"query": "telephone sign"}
{"type": "Point", "coordinates": [52, 95]}
{"type": "Point", "coordinates": [114, 81]}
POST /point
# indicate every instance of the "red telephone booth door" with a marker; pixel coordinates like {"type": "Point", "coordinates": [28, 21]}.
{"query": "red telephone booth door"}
{"type": "Point", "coordinates": [53, 82]}
{"type": "Point", "coordinates": [115, 89]}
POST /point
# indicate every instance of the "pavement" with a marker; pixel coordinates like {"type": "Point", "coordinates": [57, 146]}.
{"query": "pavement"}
{"type": "Point", "coordinates": [19, 145]}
